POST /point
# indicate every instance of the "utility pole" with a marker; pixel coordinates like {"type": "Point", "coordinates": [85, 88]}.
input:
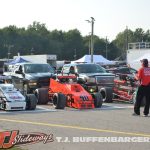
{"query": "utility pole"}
{"type": "Point", "coordinates": [92, 42]}
{"type": "Point", "coordinates": [106, 47]}
{"type": "Point", "coordinates": [126, 47]}
{"type": "Point", "coordinates": [32, 51]}
{"type": "Point", "coordinates": [8, 52]}
{"type": "Point", "coordinates": [126, 38]}
{"type": "Point", "coordinates": [92, 34]}
{"type": "Point", "coordinates": [89, 43]}
{"type": "Point", "coordinates": [75, 54]}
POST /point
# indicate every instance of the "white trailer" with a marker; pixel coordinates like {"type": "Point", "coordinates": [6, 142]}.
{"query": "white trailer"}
{"type": "Point", "coordinates": [61, 63]}
{"type": "Point", "coordinates": [50, 59]}
{"type": "Point", "coordinates": [136, 52]}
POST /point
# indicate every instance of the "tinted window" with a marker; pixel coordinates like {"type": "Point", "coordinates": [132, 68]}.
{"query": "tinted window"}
{"type": "Point", "coordinates": [90, 68]}
{"type": "Point", "coordinates": [124, 71]}
{"type": "Point", "coordinates": [112, 71]}
{"type": "Point", "coordinates": [38, 68]}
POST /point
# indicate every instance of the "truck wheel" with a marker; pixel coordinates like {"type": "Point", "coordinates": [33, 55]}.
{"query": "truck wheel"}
{"type": "Point", "coordinates": [98, 100]}
{"type": "Point", "coordinates": [31, 101]}
{"type": "Point", "coordinates": [42, 95]}
{"type": "Point", "coordinates": [107, 94]}
{"type": "Point", "coordinates": [59, 101]}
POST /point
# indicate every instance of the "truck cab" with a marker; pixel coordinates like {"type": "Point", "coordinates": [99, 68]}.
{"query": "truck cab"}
{"type": "Point", "coordinates": [93, 78]}
{"type": "Point", "coordinates": [31, 77]}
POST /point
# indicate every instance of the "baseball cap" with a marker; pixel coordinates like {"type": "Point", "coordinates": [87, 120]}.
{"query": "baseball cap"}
{"type": "Point", "coordinates": [144, 60]}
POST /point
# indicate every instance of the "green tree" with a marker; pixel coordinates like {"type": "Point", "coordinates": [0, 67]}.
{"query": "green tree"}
{"type": "Point", "coordinates": [129, 36]}
{"type": "Point", "coordinates": [64, 44]}
{"type": "Point", "coordinates": [72, 42]}
{"type": "Point", "coordinates": [56, 41]}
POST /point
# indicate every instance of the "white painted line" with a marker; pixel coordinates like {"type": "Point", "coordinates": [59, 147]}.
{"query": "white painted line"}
{"type": "Point", "coordinates": [38, 109]}
{"type": "Point", "coordinates": [45, 109]}
{"type": "Point", "coordinates": [105, 107]}
{"type": "Point", "coordinates": [42, 109]}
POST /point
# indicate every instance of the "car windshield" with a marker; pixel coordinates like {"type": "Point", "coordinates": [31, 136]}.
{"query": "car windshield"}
{"type": "Point", "coordinates": [38, 68]}
{"type": "Point", "coordinates": [90, 68]}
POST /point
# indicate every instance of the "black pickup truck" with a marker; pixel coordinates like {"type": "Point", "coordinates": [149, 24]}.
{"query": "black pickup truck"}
{"type": "Point", "coordinates": [32, 78]}
{"type": "Point", "coordinates": [93, 78]}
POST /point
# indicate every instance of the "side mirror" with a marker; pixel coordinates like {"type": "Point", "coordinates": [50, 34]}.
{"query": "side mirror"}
{"type": "Point", "coordinates": [58, 71]}
{"type": "Point", "coordinates": [18, 72]}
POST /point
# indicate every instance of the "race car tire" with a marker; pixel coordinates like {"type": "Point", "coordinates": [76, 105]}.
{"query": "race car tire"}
{"type": "Point", "coordinates": [42, 95]}
{"type": "Point", "coordinates": [59, 101]}
{"type": "Point", "coordinates": [2, 104]}
{"type": "Point", "coordinates": [107, 94]}
{"type": "Point", "coordinates": [31, 102]}
{"type": "Point", "coordinates": [98, 100]}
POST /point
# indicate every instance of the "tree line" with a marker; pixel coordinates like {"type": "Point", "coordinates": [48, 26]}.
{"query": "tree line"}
{"type": "Point", "coordinates": [71, 45]}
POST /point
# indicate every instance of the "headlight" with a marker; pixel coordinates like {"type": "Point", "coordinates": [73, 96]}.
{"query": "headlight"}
{"type": "Point", "coordinates": [92, 89]}
{"type": "Point", "coordinates": [32, 83]}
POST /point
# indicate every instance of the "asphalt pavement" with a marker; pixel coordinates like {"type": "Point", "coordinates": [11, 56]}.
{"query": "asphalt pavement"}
{"type": "Point", "coordinates": [74, 129]}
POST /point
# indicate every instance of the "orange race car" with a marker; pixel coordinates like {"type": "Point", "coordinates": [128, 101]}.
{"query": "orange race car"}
{"type": "Point", "coordinates": [66, 92]}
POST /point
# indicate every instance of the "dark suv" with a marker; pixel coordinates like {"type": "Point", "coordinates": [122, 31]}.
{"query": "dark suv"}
{"type": "Point", "coordinates": [93, 78]}
{"type": "Point", "coordinates": [122, 72]}
{"type": "Point", "coordinates": [32, 78]}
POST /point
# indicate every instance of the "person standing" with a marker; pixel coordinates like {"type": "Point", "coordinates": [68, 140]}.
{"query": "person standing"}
{"type": "Point", "coordinates": [144, 89]}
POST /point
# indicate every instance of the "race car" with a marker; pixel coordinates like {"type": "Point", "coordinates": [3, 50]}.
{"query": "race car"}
{"type": "Point", "coordinates": [66, 92]}
{"type": "Point", "coordinates": [13, 99]}
{"type": "Point", "coordinates": [126, 89]}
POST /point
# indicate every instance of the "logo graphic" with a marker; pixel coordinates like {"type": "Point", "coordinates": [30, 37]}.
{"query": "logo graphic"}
{"type": "Point", "coordinates": [9, 139]}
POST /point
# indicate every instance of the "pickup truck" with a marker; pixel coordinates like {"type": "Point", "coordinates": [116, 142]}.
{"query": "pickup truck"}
{"type": "Point", "coordinates": [32, 78]}
{"type": "Point", "coordinates": [93, 78]}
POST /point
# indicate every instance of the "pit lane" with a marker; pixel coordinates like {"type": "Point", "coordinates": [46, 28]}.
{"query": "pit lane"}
{"type": "Point", "coordinates": [112, 119]}
{"type": "Point", "coordinates": [50, 108]}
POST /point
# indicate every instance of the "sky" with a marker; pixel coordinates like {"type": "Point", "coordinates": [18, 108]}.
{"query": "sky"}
{"type": "Point", "coordinates": [111, 16]}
